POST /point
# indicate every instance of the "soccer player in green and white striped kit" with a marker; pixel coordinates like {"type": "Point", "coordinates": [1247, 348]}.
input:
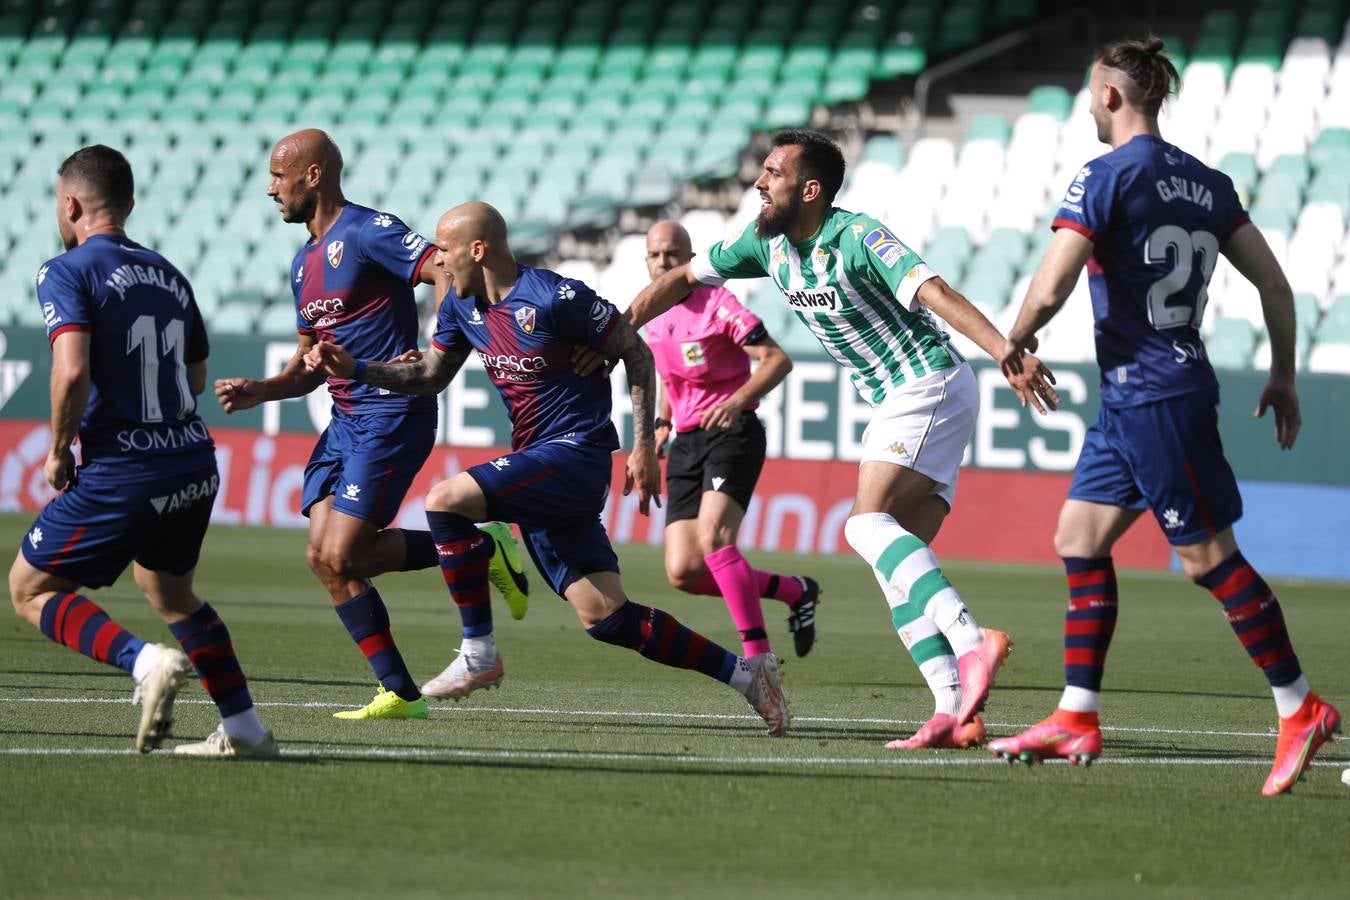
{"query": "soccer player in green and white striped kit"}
{"type": "Point", "coordinates": [868, 299]}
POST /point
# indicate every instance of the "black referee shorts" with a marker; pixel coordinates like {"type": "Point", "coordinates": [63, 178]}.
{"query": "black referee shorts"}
{"type": "Point", "coordinates": [700, 460]}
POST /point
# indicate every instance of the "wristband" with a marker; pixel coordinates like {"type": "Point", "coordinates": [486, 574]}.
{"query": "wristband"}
{"type": "Point", "coordinates": [360, 371]}
{"type": "Point", "coordinates": [662, 423]}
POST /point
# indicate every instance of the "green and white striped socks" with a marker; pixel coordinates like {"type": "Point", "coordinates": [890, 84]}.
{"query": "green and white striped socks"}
{"type": "Point", "coordinates": [927, 646]}
{"type": "Point", "coordinates": [904, 562]}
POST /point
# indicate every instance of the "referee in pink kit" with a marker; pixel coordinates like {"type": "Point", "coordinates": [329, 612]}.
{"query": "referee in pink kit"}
{"type": "Point", "coordinates": [703, 347]}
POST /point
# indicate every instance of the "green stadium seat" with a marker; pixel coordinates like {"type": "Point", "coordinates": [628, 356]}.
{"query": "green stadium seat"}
{"type": "Point", "coordinates": [1232, 343]}
{"type": "Point", "coordinates": [1050, 99]}
{"type": "Point", "coordinates": [1331, 148]}
{"type": "Point", "coordinates": [884, 149]}
{"type": "Point", "coordinates": [1335, 325]}
{"type": "Point", "coordinates": [1306, 313]}
{"type": "Point", "coordinates": [277, 319]}
{"type": "Point", "coordinates": [1241, 167]}
{"type": "Point", "coordinates": [1007, 244]}
{"type": "Point", "coordinates": [1331, 186]}
{"type": "Point", "coordinates": [845, 86]}
{"type": "Point", "coordinates": [989, 127]}
{"type": "Point", "coordinates": [786, 111]}
{"type": "Point", "coordinates": [1291, 167]}
{"type": "Point", "coordinates": [1272, 220]}
{"type": "Point", "coordinates": [235, 317]}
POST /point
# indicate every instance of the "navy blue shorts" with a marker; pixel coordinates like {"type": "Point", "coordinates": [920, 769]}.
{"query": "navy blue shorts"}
{"type": "Point", "coordinates": [555, 492]}
{"type": "Point", "coordinates": [91, 532]}
{"type": "Point", "coordinates": [1165, 456]}
{"type": "Point", "coordinates": [368, 462]}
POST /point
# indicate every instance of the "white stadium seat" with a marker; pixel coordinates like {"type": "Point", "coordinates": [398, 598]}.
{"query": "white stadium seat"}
{"type": "Point", "coordinates": [1333, 358]}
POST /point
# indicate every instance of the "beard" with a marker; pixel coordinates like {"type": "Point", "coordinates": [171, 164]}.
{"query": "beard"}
{"type": "Point", "coordinates": [775, 220]}
{"type": "Point", "coordinates": [299, 210]}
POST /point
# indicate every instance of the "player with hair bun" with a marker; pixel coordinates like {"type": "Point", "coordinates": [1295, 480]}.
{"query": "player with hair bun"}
{"type": "Point", "coordinates": [1149, 221]}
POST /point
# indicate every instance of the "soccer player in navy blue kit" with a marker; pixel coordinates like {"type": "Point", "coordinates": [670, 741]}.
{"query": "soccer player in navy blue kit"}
{"type": "Point", "coordinates": [128, 360]}
{"type": "Point", "coordinates": [1149, 222]}
{"type": "Point", "coordinates": [524, 324]}
{"type": "Point", "coordinates": [353, 282]}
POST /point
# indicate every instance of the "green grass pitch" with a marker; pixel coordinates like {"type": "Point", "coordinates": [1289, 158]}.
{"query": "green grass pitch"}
{"type": "Point", "coordinates": [594, 772]}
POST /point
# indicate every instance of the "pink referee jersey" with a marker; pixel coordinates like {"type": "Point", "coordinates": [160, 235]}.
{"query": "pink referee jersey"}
{"type": "Point", "coordinates": [698, 350]}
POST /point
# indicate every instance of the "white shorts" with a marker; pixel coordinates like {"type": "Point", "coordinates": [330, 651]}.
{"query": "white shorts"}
{"type": "Point", "coordinates": [926, 426]}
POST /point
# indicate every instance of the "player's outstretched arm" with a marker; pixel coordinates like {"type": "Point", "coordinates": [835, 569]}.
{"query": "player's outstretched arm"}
{"type": "Point", "coordinates": [661, 295]}
{"type": "Point", "coordinates": [294, 380]}
{"type": "Point", "coordinates": [70, 394]}
{"type": "Point", "coordinates": [427, 375]}
{"type": "Point", "coordinates": [643, 469]}
{"type": "Point", "coordinates": [1050, 287]}
{"type": "Point", "coordinates": [772, 366]}
{"type": "Point", "coordinates": [1249, 253]}
{"type": "Point", "coordinates": [1033, 380]}
{"type": "Point", "coordinates": [655, 298]}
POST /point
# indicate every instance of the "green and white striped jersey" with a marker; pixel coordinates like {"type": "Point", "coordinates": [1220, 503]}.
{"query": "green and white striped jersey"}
{"type": "Point", "coordinates": [853, 284]}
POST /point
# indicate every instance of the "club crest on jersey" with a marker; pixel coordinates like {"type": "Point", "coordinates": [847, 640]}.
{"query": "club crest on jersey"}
{"type": "Point", "coordinates": [335, 254]}
{"type": "Point", "coordinates": [693, 353]}
{"type": "Point", "coordinates": [525, 319]}
{"type": "Point", "coordinates": [884, 246]}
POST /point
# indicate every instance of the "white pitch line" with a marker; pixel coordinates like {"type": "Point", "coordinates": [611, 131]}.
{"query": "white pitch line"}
{"type": "Point", "coordinates": [646, 714]}
{"type": "Point", "coordinates": [377, 753]}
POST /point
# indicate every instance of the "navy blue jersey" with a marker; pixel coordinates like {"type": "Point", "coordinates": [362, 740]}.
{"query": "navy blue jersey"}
{"type": "Point", "coordinates": [354, 287]}
{"type": "Point", "coordinates": [1158, 218]}
{"type": "Point", "coordinates": [144, 331]}
{"type": "Point", "coordinates": [526, 343]}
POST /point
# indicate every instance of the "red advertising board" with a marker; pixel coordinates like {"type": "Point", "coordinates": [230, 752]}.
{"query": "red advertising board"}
{"type": "Point", "coordinates": [800, 506]}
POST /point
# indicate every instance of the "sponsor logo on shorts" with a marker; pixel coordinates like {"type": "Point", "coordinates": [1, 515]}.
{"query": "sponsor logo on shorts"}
{"type": "Point", "coordinates": [884, 246]}
{"type": "Point", "coordinates": [1172, 519]}
{"type": "Point", "coordinates": [187, 496]}
{"type": "Point", "coordinates": [897, 448]}
{"type": "Point", "coordinates": [525, 319]}
{"type": "Point", "coordinates": [35, 537]}
{"type": "Point", "coordinates": [335, 254]}
{"type": "Point", "coordinates": [353, 492]}
{"type": "Point", "coordinates": [813, 298]}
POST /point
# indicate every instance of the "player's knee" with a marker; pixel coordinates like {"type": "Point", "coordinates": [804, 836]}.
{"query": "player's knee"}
{"type": "Point", "coordinates": [714, 538]}
{"type": "Point", "coordinates": [1065, 542]}
{"type": "Point", "coordinates": [685, 574]}
{"type": "Point", "coordinates": [22, 589]}
{"type": "Point", "coordinates": [857, 529]}
{"type": "Point", "coordinates": [314, 557]}
{"type": "Point", "coordinates": [341, 561]}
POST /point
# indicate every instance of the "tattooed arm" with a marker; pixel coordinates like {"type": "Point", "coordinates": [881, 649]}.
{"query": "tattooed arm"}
{"type": "Point", "coordinates": [428, 375]}
{"type": "Point", "coordinates": [643, 469]}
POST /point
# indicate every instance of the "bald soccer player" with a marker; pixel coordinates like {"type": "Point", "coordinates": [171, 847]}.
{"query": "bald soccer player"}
{"type": "Point", "coordinates": [353, 282]}
{"type": "Point", "coordinates": [703, 347]}
{"type": "Point", "coordinates": [524, 323]}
